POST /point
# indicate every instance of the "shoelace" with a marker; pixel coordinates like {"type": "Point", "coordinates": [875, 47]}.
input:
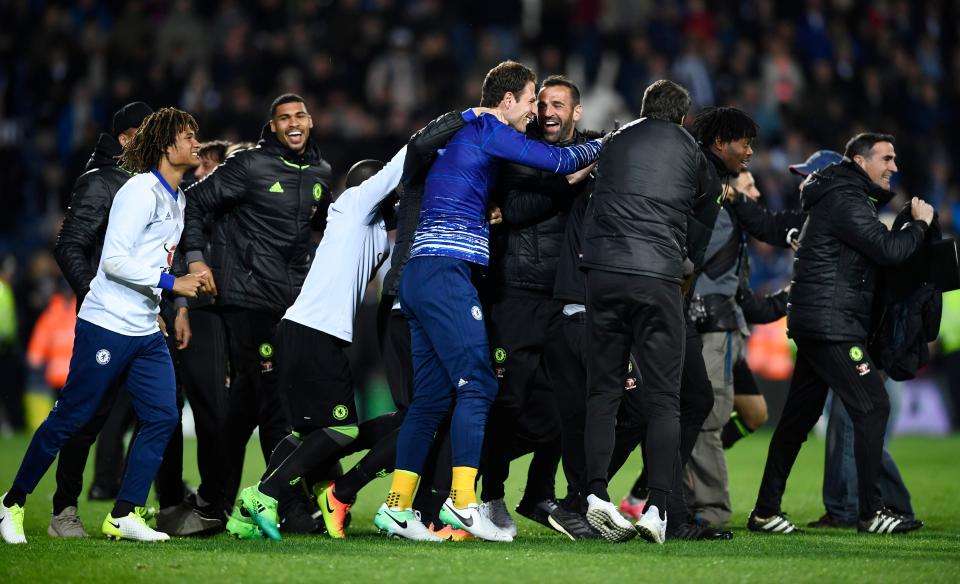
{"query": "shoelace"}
{"type": "Point", "coordinates": [72, 521]}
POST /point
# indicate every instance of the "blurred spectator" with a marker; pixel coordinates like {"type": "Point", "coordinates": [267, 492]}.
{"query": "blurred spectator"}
{"type": "Point", "coordinates": [48, 354]}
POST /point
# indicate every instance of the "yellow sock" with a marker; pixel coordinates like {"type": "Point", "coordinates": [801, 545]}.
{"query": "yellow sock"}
{"type": "Point", "coordinates": [402, 489]}
{"type": "Point", "coordinates": [463, 488]}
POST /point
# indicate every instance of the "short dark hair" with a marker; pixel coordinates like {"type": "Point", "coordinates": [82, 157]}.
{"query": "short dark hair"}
{"type": "Point", "coordinates": [507, 77]}
{"type": "Point", "coordinates": [560, 80]}
{"type": "Point", "coordinates": [285, 98]}
{"type": "Point", "coordinates": [214, 149]}
{"type": "Point", "coordinates": [726, 123]}
{"type": "Point", "coordinates": [362, 170]}
{"type": "Point", "coordinates": [863, 143]}
{"type": "Point", "coordinates": [665, 100]}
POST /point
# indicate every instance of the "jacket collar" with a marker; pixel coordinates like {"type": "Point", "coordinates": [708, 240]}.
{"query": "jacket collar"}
{"type": "Point", "coordinates": [105, 153]}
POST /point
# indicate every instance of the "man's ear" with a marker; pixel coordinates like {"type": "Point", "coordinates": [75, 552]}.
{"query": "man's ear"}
{"type": "Point", "coordinates": [717, 144]}
{"type": "Point", "coordinates": [508, 100]}
{"type": "Point", "coordinates": [860, 160]}
{"type": "Point", "coordinates": [273, 127]}
{"type": "Point", "coordinates": [577, 112]}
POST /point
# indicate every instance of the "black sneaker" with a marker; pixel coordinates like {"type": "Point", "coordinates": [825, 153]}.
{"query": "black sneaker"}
{"type": "Point", "coordinates": [698, 532]}
{"type": "Point", "coordinates": [572, 524]}
{"type": "Point", "coordinates": [102, 493]}
{"type": "Point", "coordinates": [539, 511]}
{"type": "Point", "coordinates": [776, 523]}
{"type": "Point", "coordinates": [886, 521]}
{"type": "Point", "coordinates": [831, 522]}
{"type": "Point", "coordinates": [298, 514]}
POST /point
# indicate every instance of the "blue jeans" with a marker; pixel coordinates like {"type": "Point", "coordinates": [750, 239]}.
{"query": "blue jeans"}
{"type": "Point", "coordinates": [100, 357]}
{"type": "Point", "coordinates": [840, 469]}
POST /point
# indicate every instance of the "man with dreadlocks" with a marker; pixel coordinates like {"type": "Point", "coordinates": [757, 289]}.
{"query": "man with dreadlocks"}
{"type": "Point", "coordinates": [117, 332]}
{"type": "Point", "coordinates": [726, 135]}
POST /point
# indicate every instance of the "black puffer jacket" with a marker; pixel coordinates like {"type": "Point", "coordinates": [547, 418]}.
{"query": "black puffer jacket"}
{"type": "Point", "coordinates": [267, 197]}
{"type": "Point", "coordinates": [535, 206]}
{"type": "Point", "coordinates": [841, 245]}
{"type": "Point", "coordinates": [80, 241]}
{"type": "Point", "coordinates": [907, 311]}
{"type": "Point", "coordinates": [421, 152]}
{"type": "Point", "coordinates": [650, 174]}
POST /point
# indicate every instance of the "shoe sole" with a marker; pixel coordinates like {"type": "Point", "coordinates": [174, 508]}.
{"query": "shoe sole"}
{"type": "Point", "coordinates": [649, 534]}
{"type": "Point", "coordinates": [558, 527]}
{"type": "Point", "coordinates": [608, 529]}
{"type": "Point", "coordinates": [54, 533]}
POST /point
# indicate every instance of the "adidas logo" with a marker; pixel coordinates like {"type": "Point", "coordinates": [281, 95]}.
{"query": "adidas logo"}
{"type": "Point", "coordinates": [168, 217]}
{"type": "Point", "coordinates": [276, 188]}
{"type": "Point", "coordinates": [462, 382]}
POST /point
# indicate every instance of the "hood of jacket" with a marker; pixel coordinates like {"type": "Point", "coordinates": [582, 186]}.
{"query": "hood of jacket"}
{"type": "Point", "coordinates": [105, 153]}
{"type": "Point", "coordinates": [269, 142]}
{"type": "Point", "coordinates": [844, 176]}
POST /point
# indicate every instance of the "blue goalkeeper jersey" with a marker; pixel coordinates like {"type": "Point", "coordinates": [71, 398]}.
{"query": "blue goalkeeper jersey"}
{"type": "Point", "coordinates": [453, 217]}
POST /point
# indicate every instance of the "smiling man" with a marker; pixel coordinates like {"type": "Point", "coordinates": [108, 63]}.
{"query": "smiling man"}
{"type": "Point", "coordinates": [726, 137]}
{"type": "Point", "coordinates": [451, 356]}
{"type": "Point", "coordinates": [842, 245]}
{"type": "Point", "coordinates": [117, 335]}
{"type": "Point", "coordinates": [268, 197]}
{"type": "Point", "coordinates": [535, 205]}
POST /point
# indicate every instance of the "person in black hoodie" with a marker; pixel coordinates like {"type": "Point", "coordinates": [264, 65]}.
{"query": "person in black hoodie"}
{"type": "Point", "coordinates": [268, 200]}
{"type": "Point", "coordinates": [842, 245]}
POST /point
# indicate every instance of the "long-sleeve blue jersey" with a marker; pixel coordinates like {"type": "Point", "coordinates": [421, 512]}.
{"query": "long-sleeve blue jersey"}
{"type": "Point", "coordinates": [453, 218]}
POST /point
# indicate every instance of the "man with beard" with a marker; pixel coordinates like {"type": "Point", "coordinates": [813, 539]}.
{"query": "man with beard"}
{"type": "Point", "coordinates": [535, 205]}
{"type": "Point", "coordinates": [842, 246]}
{"type": "Point", "coordinates": [449, 341]}
{"type": "Point", "coordinates": [266, 197]}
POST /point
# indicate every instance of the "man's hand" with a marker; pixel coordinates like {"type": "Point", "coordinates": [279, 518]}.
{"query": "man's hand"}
{"type": "Point", "coordinates": [191, 285]}
{"type": "Point", "coordinates": [210, 287]}
{"type": "Point", "coordinates": [478, 111]}
{"type": "Point", "coordinates": [581, 175]}
{"type": "Point", "coordinates": [163, 325]}
{"type": "Point", "coordinates": [921, 210]}
{"type": "Point", "coordinates": [494, 216]}
{"type": "Point", "coordinates": [181, 327]}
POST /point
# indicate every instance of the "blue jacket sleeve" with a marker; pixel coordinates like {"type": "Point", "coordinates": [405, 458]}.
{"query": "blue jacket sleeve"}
{"type": "Point", "coordinates": [502, 141]}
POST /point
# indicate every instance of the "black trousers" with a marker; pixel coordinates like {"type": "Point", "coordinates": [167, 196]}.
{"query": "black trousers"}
{"type": "Point", "coordinates": [848, 369]}
{"type": "Point", "coordinates": [624, 312]}
{"type": "Point", "coordinates": [566, 358]}
{"type": "Point", "coordinates": [203, 377]}
{"type": "Point", "coordinates": [524, 417]}
{"type": "Point", "coordinates": [696, 401]}
{"type": "Point", "coordinates": [254, 398]}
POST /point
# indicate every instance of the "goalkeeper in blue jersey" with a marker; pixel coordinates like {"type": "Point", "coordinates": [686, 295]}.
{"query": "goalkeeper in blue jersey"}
{"type": "Point", "coordinates": [451, 356]}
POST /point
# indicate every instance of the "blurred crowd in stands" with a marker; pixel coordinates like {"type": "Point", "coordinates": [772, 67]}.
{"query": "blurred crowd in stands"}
{"type": "Point", "coordinates": [811, 73]}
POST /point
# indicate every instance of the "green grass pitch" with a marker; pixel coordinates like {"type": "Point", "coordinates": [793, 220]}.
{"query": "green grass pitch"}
{"type": "Point", "coordinates": [931, 468]}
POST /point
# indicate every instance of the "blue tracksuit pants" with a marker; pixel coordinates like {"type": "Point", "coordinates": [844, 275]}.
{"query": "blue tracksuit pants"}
{"type": "Point", "coordinates": [451, 359]}
{"type": "Point", "coordinates": [99, 357]}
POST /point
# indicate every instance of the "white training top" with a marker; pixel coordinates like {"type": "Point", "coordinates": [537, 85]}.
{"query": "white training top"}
{"type": "Point", "coordinates": [142, 233]}
{"type": "Point", "coordinates": [354, 246]}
